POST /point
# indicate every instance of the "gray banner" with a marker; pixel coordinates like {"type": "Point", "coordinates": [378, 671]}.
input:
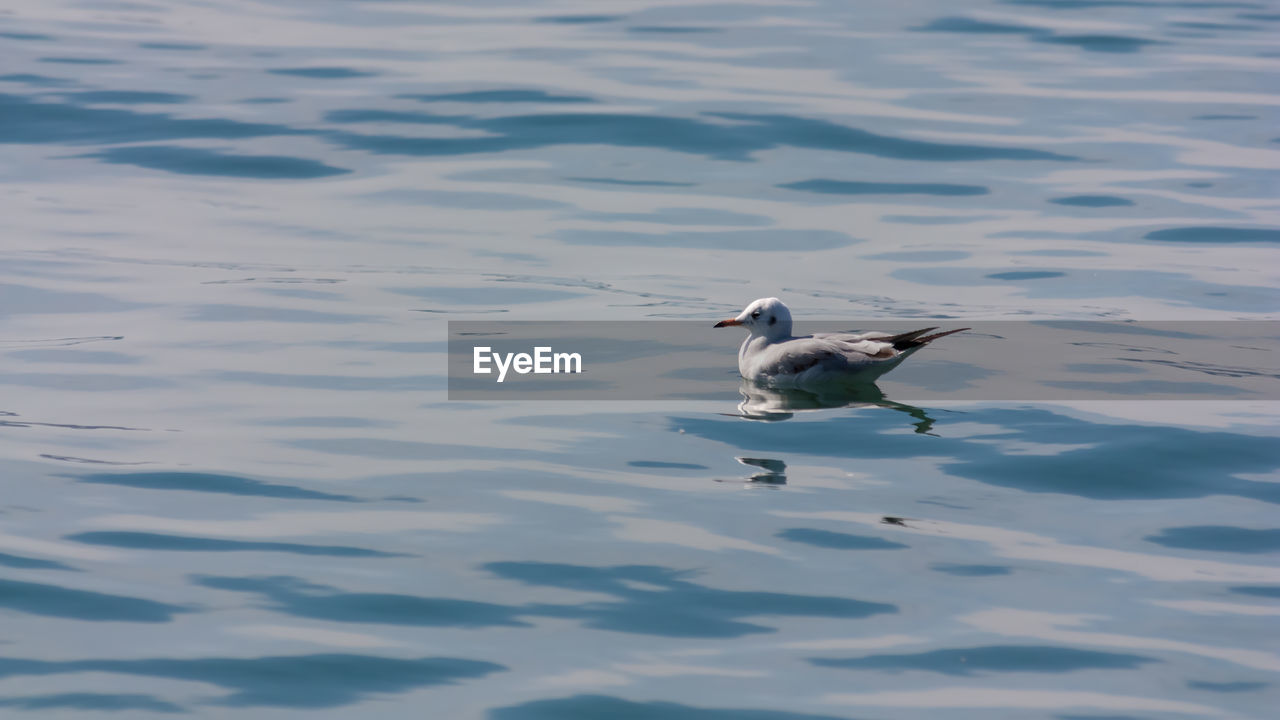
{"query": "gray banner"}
{"type": "Point", "coordinates": [996, 360]}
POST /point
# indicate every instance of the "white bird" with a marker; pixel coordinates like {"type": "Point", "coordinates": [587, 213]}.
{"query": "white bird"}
{"type": "Point", "coordinates": [772, 356]}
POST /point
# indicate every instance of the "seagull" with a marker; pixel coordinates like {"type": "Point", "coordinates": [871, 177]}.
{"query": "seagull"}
{"type": "Point", "coordinates": [773, 356]}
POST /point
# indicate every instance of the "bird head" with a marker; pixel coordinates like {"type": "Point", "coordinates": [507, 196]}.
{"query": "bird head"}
{"type": "Point", "coordinates": [766, 317]}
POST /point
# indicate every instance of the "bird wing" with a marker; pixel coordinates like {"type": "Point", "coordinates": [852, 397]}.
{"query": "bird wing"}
{"type": "Point", "coordinates": [860, 347]}
{"type": "Point", "coordinates": [833, 351]}
{"type": "Point", "coordinates": [865, 355]}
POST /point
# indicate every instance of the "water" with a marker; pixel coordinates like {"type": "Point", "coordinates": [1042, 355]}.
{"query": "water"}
{"type": "Point", "coordinates": [234, 487]}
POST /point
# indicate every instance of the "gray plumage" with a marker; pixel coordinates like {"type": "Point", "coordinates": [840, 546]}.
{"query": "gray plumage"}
{"type": "Point", "coordinates": [772, 355]}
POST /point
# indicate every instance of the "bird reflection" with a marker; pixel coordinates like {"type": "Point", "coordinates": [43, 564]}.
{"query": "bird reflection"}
{"type": "Point", "coordinates": [771, 473]}
{"type": "Point", "coordinates": [770, 404]}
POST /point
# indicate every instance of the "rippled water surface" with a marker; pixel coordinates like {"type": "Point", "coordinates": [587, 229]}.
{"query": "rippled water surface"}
{"type": "Point", "coordinates": [233, 232]}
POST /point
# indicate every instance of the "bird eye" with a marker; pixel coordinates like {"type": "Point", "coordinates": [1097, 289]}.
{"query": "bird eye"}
{"type": "Point", "coordinates": [755, 314]}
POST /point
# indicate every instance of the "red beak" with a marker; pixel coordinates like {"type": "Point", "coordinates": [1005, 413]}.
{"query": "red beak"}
{"type": "Point", "coordinates": [727, 323]}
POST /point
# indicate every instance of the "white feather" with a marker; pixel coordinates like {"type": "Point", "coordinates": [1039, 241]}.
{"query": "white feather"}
{"type": "Point", "coordinates": [772, 355]}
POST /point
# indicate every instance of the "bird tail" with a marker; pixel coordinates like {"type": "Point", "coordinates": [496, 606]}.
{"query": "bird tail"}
{"type": "Point", "coordinates": [917, 338]}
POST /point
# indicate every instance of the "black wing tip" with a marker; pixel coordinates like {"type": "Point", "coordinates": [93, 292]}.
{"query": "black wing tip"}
{"type": "Point", "coordinates": [935, 336]}
{"type": "Point", "coordinates": [915, 339]}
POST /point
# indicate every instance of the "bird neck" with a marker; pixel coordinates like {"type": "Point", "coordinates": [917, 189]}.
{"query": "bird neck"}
{"type": "Point", "coordinates": [777, 333]}
{"type": "Point", "coordinates": [756, 343]}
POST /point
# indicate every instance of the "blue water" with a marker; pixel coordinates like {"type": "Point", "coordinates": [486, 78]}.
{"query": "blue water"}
{"type": "Point", "coordinates": [233, 485]}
